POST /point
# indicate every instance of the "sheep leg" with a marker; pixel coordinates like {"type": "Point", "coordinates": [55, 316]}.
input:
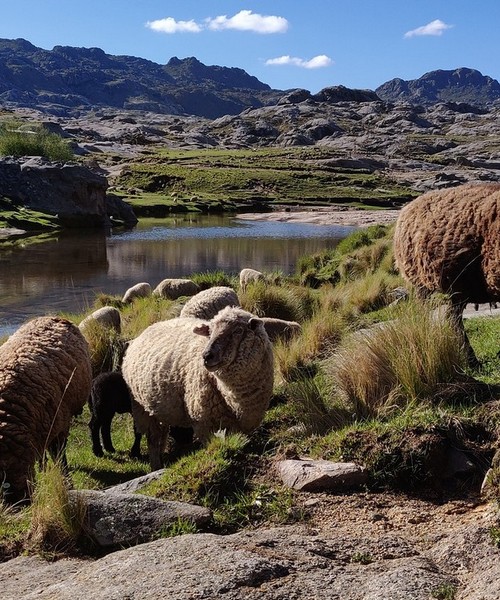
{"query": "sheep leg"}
{"type": "Point", "coordinates": [57, 451]}
{"type": "Point", "coordinates": [458, 322]}
{"type": "Point", "coordinates": [106, 433]}
{"type": "Point", "coordinates": [95, 427]}
{"type": "Point", "coordinates": [135, 451]}
{"type": "Point", "coordinates": [156, 437]}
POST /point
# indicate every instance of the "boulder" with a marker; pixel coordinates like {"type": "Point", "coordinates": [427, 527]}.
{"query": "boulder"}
{"type": "Point", "coordinates": [121, 519]}
{"type": "Point", "coordinates": [274, 564]}
{"type": "Point", "coordinates": [73, 192]}
{"type": "Point", "coordinates": [315, 475]}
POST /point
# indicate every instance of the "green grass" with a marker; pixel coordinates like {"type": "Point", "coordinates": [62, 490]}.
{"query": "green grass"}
{"type": "Point", "coordinates": [484, 334]}
{"type": "Point", "coordinates": [92, 472]}
{"type": "Point", "coordinates": [445, 591]}
{"type": "Point", "coordinates": [25, 218]}
{"type": "Point", "coordinates": [189, 179]}
{"type": "Point", "coordinates": [32, 139]}
{"type": "Point", "coordinates": [204, 476]}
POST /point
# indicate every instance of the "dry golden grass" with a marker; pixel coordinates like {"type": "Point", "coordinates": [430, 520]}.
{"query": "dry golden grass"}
{"type": "Point", "coordinates": [57, 519]}
{"type": "Point", "coordinates": [318, 338]}
{"type": "Point", "coordinates": [106, 347]}
{"type": "Point", "coordinates": [404, 360]}
{"type": "Point", "coordinates": [292, 303]}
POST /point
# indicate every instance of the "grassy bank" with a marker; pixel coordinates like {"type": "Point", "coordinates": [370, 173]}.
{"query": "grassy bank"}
{"type": "Point", "coordinates": [368, 380]}
{"type": "Point", "coordinates": [225, 180]}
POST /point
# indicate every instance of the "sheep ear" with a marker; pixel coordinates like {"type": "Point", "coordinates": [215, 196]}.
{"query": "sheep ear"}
{"type": "Point", "coordinates": [254, 322]}
{"type": "Point", "coordinates": [202, 329]}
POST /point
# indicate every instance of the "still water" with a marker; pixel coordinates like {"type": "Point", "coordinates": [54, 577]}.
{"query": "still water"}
{"type": "Point", "coordinates": [64, 273]}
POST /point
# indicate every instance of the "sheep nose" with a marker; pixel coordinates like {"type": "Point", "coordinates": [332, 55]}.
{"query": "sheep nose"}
{"type": "Point", "coordinates": [210, 359]}
{"type": "Point", "coordinates": [207, 355]}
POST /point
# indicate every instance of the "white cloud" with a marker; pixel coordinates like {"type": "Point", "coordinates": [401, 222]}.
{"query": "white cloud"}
{"type": "Point", "coordinates": [435, 27]}
{"type": "Point", "coordinates": [246, 20]}
{"type": "Point", "coordinates": [170, 25]}
{"type": "Point", "coordinates": [317, 62]}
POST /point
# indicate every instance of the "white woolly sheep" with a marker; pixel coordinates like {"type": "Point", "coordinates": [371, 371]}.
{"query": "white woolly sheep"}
{"type": "Point", "coordinates": [107, 316]}
{"type": "Point", "coordinates": [449, 241]}
{"type": "Point", "coordinates": [109, 396]}
{"type": "Point", "coordinates": [45, 379]}
{"type": "Point", "coordinates": [207, 303]}
{"type": "Point", "coordinates": [279, 329]}
{"type": "Point", "coordinates": [172, 289]}
{"type": "Point", "coordinates": [248, 276]}
{"type": "Point", "coordinates": [139, 290]}
{"type": "Point", "coordinates": [208, 375]}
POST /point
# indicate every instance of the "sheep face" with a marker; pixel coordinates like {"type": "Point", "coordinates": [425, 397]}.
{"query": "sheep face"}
{"type": "Point", "coordinates": [225, 341]}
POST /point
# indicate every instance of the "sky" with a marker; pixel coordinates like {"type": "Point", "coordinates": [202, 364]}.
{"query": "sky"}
{"type": "Point", "coordinates": [287, 44]}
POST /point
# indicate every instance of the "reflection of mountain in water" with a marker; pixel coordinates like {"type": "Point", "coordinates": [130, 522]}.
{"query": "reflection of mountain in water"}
{"type": "Point", "coordinates": [65, 273]}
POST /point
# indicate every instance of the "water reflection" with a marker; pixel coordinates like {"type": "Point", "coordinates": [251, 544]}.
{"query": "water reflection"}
{"type": "Point", "coordinates": [65, 273]}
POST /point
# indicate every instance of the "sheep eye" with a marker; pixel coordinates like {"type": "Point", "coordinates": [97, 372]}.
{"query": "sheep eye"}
{"type": "Point", "coordinates": [238, 330]}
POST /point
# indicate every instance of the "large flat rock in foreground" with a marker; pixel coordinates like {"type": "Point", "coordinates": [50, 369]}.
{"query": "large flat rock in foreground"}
{"type": "Point", "coordinates": [285, 563]}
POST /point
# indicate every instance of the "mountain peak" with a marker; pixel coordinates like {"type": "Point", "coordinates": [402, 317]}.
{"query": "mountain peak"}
{"type": "Point", "coordinates": [457, 85]}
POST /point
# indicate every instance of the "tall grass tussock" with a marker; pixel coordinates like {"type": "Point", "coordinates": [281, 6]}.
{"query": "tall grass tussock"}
{"type": "Point", "coordinates": [57, 518]}
{"type": "Point", "coordinates": [409, 358]}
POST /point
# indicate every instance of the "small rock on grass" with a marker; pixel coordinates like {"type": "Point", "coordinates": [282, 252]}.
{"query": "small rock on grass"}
{"type": "Point", "coordinates": [317, 475]}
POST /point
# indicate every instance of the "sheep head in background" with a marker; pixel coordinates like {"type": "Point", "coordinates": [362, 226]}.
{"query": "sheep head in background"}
{"type": "Point", "coordinates": [208, 375]}
{"type": "Point", "coordinates": [449, 241]}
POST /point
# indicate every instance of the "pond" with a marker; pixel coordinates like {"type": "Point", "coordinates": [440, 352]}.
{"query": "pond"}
{"type": "Point", "coordinates": [65, 272]}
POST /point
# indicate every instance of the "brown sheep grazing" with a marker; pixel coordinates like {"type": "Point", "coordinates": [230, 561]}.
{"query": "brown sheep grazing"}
{"type": "Point", "coordinates": [449, 241]}
{"type": "Point", "coordinates": [45, 379]}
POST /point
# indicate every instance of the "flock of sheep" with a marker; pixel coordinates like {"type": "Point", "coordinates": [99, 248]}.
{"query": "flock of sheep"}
{"type": "Point", "coordinates": [212, 367]}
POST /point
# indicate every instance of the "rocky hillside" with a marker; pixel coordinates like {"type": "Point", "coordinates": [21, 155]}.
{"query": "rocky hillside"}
{"type": "Point", "coordinates": [63, 79]}
{"type": "Point", "coordinates": [461, 85]}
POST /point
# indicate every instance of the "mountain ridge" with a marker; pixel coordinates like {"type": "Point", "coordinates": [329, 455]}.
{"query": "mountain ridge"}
{"type": "Point", "coordinates": [68, 78]}
{"type": "Point", "coordinates": [459, 85]}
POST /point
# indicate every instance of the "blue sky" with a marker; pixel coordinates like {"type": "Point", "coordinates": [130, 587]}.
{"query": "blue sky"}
{"type": "Point", "coordinates": [310, 44]}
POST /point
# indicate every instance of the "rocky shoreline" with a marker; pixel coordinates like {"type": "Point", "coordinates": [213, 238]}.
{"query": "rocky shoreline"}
{"type": "Point", "coordinates": [348, 216]}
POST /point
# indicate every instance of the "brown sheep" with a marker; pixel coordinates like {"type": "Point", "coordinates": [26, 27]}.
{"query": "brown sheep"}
{"type": "Point", "coordinates": [449, 241]}
{"type": "Point", "coordinates": [45, 379]}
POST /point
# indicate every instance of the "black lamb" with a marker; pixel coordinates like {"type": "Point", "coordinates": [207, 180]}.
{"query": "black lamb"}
{"type": "Point", "coordinates": [109, 395]}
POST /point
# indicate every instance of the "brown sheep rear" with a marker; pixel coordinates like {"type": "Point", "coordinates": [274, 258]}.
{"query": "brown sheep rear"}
{"type": "Point", "coordinates": [449, 241]}
{"type": "Point", "coordinates": [45, 379]}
